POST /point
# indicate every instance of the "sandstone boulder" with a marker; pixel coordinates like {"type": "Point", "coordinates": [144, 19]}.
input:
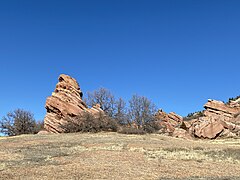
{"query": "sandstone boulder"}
{"type": "Point", "coordinates": [209, 129]}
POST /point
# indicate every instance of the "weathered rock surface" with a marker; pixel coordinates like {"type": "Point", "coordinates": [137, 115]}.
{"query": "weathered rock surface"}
{"type": "Point", "coordinates": [181, 133]}
{"type": "Point", "coordinates": [217, 110]}
{"type": "Point", "coordinates": [168, 121]}
{"type": "Point", "coordinates": [65, 102]}
{"type": "Point", "coordinates": [219, 119]}
{"type": "Point", "coordinates": [208, 129]}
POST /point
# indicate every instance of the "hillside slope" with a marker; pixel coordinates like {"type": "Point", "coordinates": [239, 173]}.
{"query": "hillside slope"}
{"type": "Point", "coordinates": [117, 156]}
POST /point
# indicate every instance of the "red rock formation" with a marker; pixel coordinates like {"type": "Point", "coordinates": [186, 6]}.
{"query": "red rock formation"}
{"type": "Point", "coordinates": [168, 121]}
{"type": "Point", "coordinates": [216, 110]}
{"type": "Point", "coordinates": [218, 119]}
{"type": "Point", "coordinates": [65, 102]}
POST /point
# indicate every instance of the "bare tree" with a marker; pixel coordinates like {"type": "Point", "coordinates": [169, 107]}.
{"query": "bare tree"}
{"type": "Point", "coordinates": [89, 123]}
{"type": "Point", "coordinates": [104, 98]}
{"type": "Point", "coordinates": [121, 112]}
{"type": "Point", "coordinates": [18, 122]}
{"type": "Point", "coordinates": [141, 110]}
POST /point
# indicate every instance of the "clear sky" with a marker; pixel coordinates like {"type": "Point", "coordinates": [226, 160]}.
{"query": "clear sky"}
{"type": "Point", "coordinates": [177, 53]}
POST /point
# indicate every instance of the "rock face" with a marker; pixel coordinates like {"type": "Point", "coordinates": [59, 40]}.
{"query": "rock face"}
{"type": "Point", "coordinates": [217, 110]}
{"type": "Point", "coordinates": [207, 129]}
{"type": "Point", "coordinates": [65, 102]}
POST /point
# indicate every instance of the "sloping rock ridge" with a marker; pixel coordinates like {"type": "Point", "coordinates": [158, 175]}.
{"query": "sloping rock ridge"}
{"type": "Point", "coordinates": [65, 102]}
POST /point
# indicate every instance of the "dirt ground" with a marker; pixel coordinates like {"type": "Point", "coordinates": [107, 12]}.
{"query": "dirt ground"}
{"type": "Point", "coordinates": [117, 156]}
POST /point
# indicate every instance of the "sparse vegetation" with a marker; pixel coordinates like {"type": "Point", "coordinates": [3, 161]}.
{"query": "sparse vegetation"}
{"type": "Point", "coordinates": [233, 99]}
{"type": "Point", "coordinates": [117, 156]}
{"type": "Point", "coordinates": [194, 115]}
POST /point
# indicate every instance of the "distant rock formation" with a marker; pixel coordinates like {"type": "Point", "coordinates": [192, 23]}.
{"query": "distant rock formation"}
{"type": "Point", "coordinates": [66, 102]}
{"type": "Point", "coordinates": [218, 120]}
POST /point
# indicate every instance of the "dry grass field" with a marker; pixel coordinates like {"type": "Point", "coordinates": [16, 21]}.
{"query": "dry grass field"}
{"type": "Point", "coordinates": [117, 156]}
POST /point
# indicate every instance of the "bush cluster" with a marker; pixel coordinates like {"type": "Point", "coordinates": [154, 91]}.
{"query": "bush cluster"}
{"type": "Point", "coordinates": [131, 130]}
{"type": "Point", "coordinates": [152, 127]}
{"type": "Point", "coordinates": [89, 123]}
{"type": "Point", "coordinates": [233, 99]}
{"type": "Point", "coordinates": [194, 115]}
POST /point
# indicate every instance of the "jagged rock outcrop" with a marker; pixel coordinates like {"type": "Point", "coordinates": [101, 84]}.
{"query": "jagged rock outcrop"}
{"type": "Point", "coordinates": [66, 102]}
{"type": "Point", "coordinates": [172, 124]}
{"type": "Point", "coordinates": [168, 121]}
{"type": "Point", "coordinates": [217, 110]}
{"type": "Point", "coordinates": [219, 120]}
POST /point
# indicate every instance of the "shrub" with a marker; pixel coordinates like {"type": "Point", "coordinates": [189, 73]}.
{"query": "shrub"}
{"type": "Point", "coordinates": [19, 122]}
{"type": "Point", "coordinates": [131, 130]}
{"type": "Point", "coordinates": [152, 127]}
{"type": "Point", "coordinates": [194, 115]}
{"type": "Point", "coordinates": [233, 99]}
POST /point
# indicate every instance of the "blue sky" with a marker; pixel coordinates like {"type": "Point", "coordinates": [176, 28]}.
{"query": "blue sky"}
{"type": "Point", "coordinates": [177, 53]}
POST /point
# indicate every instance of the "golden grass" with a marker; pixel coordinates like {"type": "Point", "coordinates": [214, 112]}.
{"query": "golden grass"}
{"type": "Point", "coordinates": [117, 156]}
